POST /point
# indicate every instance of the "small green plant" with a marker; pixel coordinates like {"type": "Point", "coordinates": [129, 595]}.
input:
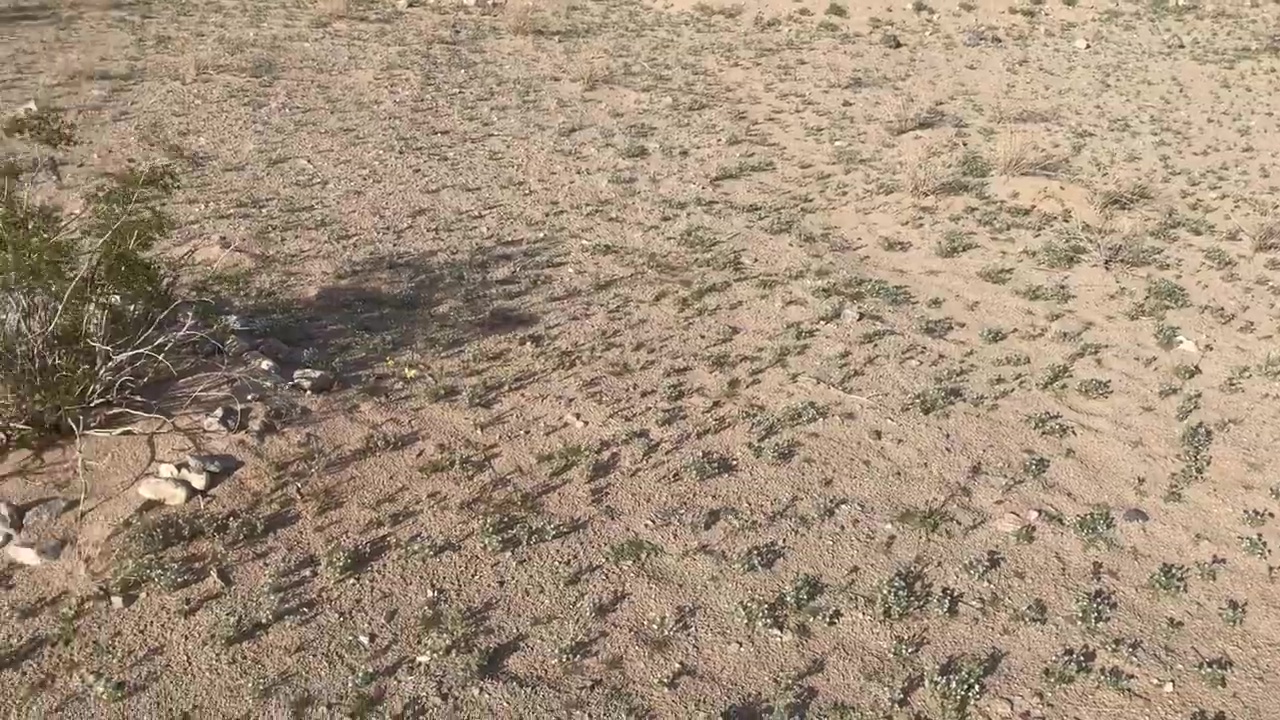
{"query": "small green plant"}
{"type": "Point", "coordinates": [707, 464]}
{"type": "Point", "coordinates": [1050, 424]}
{"type": "Point", "coordinates": [836, 9]}
{"type": "Point", "coordinates": [1214, 671]}
{"type": "Point", "coordinates": [905, 592]}
{"type": "Point", "coordinates": [957, 685]}
{"type": "Point", "coordinates": [1035, 612]}
{"type": "Point", "coordinates": [1255, 545]}
{"type": "Point", "coordinates": [1055, 376]}
{"type": "Point", "coordinates": [1170, 578]}
{"type": "Point", "coordinates": [634, 551]}
{"type": "Point", "coordinates": [1257, 517]}
{"type": "Point", "coordinates": [954, 244]}
{"type": "Point", "coordinates": [992, 335]}
{"type": "Point", "coordinates": [1094, 608]}
{"type": "Point", "coordinates": [46, 126]}
{"type": "Point", "coordinates": [791, 610]}
{"type": "Point", "coordinates": [761, 557]}
{"type": "Point", "coordinates": [1095, 388]}
{"type": "Point", "coordinates": [996, 274]}
{"type": "Point", "coordinates": [1096, 528]}
{"type": "Point", "coordinates": [1232, 612]}
{"type": "Point", "coordinates": [1116, 679]}
{"type": "Point", "coordinates": [1069, 665]}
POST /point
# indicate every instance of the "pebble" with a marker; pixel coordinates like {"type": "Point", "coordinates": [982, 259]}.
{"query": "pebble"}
{"type": "Point", "coordinates": [313, 380]}
{"type": "Point", "coordinates": [1168, 686]}
{"type": "Point", "coordinates": [10, 519]}
{"type": "Point", "coordinates": [1082, 44]}
{"type": "Point", "coordinates": [198, 479]}
{"type": "Point", "coordinates": [1187, 345]}
{"type": "Point", "coordinates": [37, 554]}
{"type": "Point", "coordinates": [223, 419]}
{"type": "Point", "coordinates": [575, 420]}
{"type": "Point", "coordinates": [166, 490]}
{"type": "Point", "coordinates": [119, 602]}
{"type": "Point", "coordinates": [211, 464]}
{"type": "Point", "coordinates": [1010, 522]}
{"type": "Point", "coordinates": [891, 41]}
{"type": "Point", "coordinates": [1135, 515]}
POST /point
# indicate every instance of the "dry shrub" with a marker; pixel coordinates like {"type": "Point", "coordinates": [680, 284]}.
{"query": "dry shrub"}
{"type": "Point", "coordinates": [87, 314]}
{"type": "Point", "coordinates": [1016, 156]}
{"type": "Point", "coordinates": [905, 114]}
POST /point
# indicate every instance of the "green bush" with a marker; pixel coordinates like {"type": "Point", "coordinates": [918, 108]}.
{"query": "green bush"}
{"type": "Point", "coordinates": [87, 311]}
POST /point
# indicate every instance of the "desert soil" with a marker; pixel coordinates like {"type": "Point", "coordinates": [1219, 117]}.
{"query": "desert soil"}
{"type": "Point", "coordinates": [694, 360]}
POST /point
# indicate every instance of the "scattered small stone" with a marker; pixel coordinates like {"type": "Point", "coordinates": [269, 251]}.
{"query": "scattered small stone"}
{"type": "Point", "coordinates": [1135, 515]}
{"type": "Point", "coordinates": [575, 420]}
{"type": "Point", "coordinates": [169, 491]}
{"type": "Point", "coordinates": [223, 419]}
{"type": "Point", "coordinates": [1033, 515]}
{"type": "Point", "coordinates": [1082, 44]}
{"type": "Point", "coordinates": [312, 380]}
{"type": "Point", "coordinates": [36, 554]}
{"type": "Point", "coordinates": [10, 519]}
{"type": "Point", "coordinates": [1168, 686]}
{"type": "Point", "coordinates": [46, 511]}
{"type": "Point", "coordinates": [120, 602]}
{"type": "Point", "coordinates": [890, 41]}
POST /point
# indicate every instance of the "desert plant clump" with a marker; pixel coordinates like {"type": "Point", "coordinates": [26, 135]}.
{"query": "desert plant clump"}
{"type": "Point", "coordinates": [87, 312]}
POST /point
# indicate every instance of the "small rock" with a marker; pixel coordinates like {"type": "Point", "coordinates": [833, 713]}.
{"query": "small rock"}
{"type": "Point", "coordinates": [402, 5]}
{"type": "Point", "coordinates": [169, 491]}
{"type": "Point", "coordinates": [312, 380]}
{"type": "Point", "coordinates": [196, 478]}
{"type": "Point", "coordinates": [890, 41]}
{"type": "Point", "coordinates": [120, 602]}
{"type": "Point", "coordinates": [211, 464]}
{"type": "Point", "coordinates": [1010, 522]}
{"type": "Point", "coordinates": [46, 511]}
{"type": "Point", "coordinates": [262, 362]}
{"type": "Point", "coordinates": [575, 420]}
{"type": "Point", "coordinates": [1187, 345]}
{"type": "Point", "coordinates": [1032, 515]}
{"type": "Point", "coordinates": [37, 554]}
{"type": "Point", "coordinates": [236, 347]}
{"type": "Point", "coordinates": [1135, 515]}
{"type": "Point", "coordinates": [10, 519]}
{"type": "Point", "coordinates": [223, 419]}
{"type": "Point", "coordinates": [1082, 44]}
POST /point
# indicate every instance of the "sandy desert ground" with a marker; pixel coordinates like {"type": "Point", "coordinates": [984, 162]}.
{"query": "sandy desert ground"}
{"type": "Point", "coordinates": [766, 360]}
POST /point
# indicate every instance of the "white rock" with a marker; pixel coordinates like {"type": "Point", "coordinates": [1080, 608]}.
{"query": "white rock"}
{"type": "Point", "coordinates": [196, 478]}
{"type": "Point", "coordinates": [313, 380]}
{"type": "Point", "coordinates": [36, 554]}
{"type": "Point", "coordinates": [1187, 345]}
{"type": "Point", "coordinates": [10, 519]}
{"type": "Point", "coordinates": [1010, 522]}
{"type": "Point", "coordinates": [169, 491]}
{"type": "Point", "coordinates": [223, 419]}
{"type": "Point", "coordinates": [1082, 44]}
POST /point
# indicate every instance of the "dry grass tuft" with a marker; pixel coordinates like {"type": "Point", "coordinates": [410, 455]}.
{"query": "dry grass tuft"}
{"type": "Point", "coordinates": [905, 114]}
{"type": "Point", "coordinates": [1016, 156]}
